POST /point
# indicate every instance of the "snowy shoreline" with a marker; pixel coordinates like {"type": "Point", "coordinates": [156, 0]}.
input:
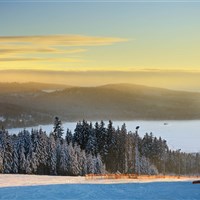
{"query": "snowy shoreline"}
{"type": "Point", "coordinates": [13, 180]}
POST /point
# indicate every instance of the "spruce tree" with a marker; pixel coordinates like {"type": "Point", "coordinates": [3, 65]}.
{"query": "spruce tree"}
{"type": "Point", "coordinates": [52, 156]}
{"type": "Point", "coordinates": [58, 129]}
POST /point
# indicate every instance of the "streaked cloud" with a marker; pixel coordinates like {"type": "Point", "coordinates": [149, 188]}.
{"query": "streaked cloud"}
{"type": "Point", "coordinates": [58, 47]}
{"type": "Point", "coordinates": [61, 40]}
{"type": "Point", "coordinates": [70, 60]}
{"type": "Point", "coordinates": [19, 59]}
{"type": "Point", "coordinates": [25, 50]}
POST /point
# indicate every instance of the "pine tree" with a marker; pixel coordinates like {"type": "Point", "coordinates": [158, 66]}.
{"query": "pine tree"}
{"type": "Point", "coordinates": [58, 154]}
{"type": "Point", "coordinates": [99, 166]}
{"type": "Point", "coordinates": [2, 148]}
{"type": "Point", "coordinates": [130, 152]}
{"type": "Point", "coordinates": [122, 150]}
{"type": "Point", "coordinates": [81, 134]}
{"type": "Point", "coordinates": [137, 155]}
{"type": "Point", "coordinates": [102, 139]}
{"type": "Point", "coordinates": [146, 167]}
{"type": "Point", "coordinates": [15, 166]}
{"type": "Point", "coordinates": [91, 146]}
{"type": "Point", "coordinates": [22, 158]}
{"type": "Point", "coordinates": [40, 146]}
{"type": "Point", "coordinates": [64, 160]}
{"type": "Point", "coordinates": [73, 161]}
{"type": "Point", "coordinates": [32, 162]}
{"type": "Point", "coordinates": [8, 158]}
{"type": "Point", "coordinates": [91, 164]}
{"type": "Point", "coordinates": [58, 129]}
{"type": "Point", "coordinates": [112, 146]}
{"type": "Point", "coordinates": [69, 136]}
{"type": "Point", "coordinates": [52, 156]}
{"type": "Point", "coordinates": [23, 148]}
{"type": "Point", "coordinates": [81, 159]}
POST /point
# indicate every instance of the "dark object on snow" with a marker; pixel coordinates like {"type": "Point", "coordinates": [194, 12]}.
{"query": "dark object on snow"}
{"type": "Point", "coordinates": [196, 182]}
{"type": "Point", "coordinates": [137, 127]}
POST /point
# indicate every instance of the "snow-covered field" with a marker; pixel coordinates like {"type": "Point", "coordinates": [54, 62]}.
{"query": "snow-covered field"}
{"type": "Point", "coordinates": [184, 135]}
{"type": "Point", "coordinates": [10, 180]}
{"type": "Point", "coordinates": [57, 188]}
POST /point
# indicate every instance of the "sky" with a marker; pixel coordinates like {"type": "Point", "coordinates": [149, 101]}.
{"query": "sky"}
{"type": "Point", "coordinates": [89, 43]}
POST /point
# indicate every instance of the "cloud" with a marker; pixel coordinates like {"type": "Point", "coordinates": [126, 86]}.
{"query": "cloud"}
{"type": "Point", "coordinates": [19, 59]}
{"type": "Point", "coordinates": [64, 60]}
{"type": "Point", "coordinates": [22, 48]}
{"type": "Point", "coordinates": [61, 40]}
{"type": "Point", "coordinates": [25, 50]}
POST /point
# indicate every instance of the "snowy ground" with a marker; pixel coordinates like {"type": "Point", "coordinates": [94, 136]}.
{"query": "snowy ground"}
{"type": "Point", "coordinates": [182, 135]}
{"type": "Point", "coordinates": [9, 180]}
{"type": "Point", "coordinates": [55, 188]}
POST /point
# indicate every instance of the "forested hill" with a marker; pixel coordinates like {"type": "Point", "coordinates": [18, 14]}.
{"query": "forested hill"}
{"type": "Point", "coordinates": [39, 103]}
{"type": "Point", "coordinates": [12, 88]}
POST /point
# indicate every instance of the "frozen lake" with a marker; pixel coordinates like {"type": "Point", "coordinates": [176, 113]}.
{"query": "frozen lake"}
{"type": "Point", "coordinates": [184, 135]}
{"type": "Point", "coordinates": [139, 191]}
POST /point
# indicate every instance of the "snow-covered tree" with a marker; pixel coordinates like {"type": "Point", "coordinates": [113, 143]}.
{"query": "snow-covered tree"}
{"type": "Point", "coordinates": [81, 160]}
{"type": "Point", "coordinates": [91, 164]}
{"type": "Point", "coordinates": [52, 155]}
{"type": "Point", "coordinates": [2, 148]}
{"type": "Point", "coordinates": [137, 155]}
{"type": "Point", "coordinates": [15, 164]}
{"type": "Point", "coordinates": [40, 146]}
{"type": "Point", "coordinates": [8, 158]}
{"type": "Point", "coordinates": [73, 161]}
{"type": "Point", "coordinates": [99, 166]}
{"type": "Point", "coordinates": [146, 167]}
{"type": "Point", "coordinates": [64, 162]}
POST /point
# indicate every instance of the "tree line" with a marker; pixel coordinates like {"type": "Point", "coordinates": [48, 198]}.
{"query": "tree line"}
{"type": "Point", "coordinates": [95, 149]}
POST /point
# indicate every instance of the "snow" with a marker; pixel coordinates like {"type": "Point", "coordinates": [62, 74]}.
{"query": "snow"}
{"type": "Point", "coordinates": [182, 135]}
{"type": "Point", "coordinates": [56, 188]}
{"type": "Point", "coordinates": [11, 180]}
{"type": "Point", "coordinates": [2, 118]}
{"type": "Point", "coordinates": [49, 91]}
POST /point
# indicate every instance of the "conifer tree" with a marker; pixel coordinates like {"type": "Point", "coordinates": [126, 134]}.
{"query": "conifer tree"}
{"type": "Point", "coordinates": [15, 164]}
{"type": "Point", "coordinates": [64, 160]}
{"type": "Point", "coordinates": [74, 169]}
{"type": "Point", "coordinates": [91, 146]}
{"type": "Point", "coordinates": [69, 137]}
{"type": "Point", "coordinates": [58, 129]}
{"type": "Point", "coordinates": [8, 158]}
{"type": "Point", "coordinates": [52, 156]}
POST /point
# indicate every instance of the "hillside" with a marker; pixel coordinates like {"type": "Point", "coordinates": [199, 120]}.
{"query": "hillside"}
{"type": "Point", "coordinates": [116, 102]}
{"type": "Point", "coordinates": [6, 88]}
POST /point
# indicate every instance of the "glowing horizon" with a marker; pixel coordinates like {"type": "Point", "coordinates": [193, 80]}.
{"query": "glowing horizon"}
{"type": "Point", "coordinates": [149, 43]}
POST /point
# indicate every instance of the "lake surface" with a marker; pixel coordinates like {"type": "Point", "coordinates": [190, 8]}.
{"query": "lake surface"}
{"type": "Point", "coordinates": [184, 135]}
{"type": "Point", "coordinates": [132, 191]}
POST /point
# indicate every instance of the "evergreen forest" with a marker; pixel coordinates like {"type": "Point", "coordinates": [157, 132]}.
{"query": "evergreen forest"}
{"type": "Point", "coordinates": [92, 149]}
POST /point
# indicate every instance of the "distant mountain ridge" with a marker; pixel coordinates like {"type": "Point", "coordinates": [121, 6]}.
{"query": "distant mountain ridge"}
{"type": "Point", "coordinates": [28, 87]}
{"type": "Point", "coordinates": [113, 101]}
